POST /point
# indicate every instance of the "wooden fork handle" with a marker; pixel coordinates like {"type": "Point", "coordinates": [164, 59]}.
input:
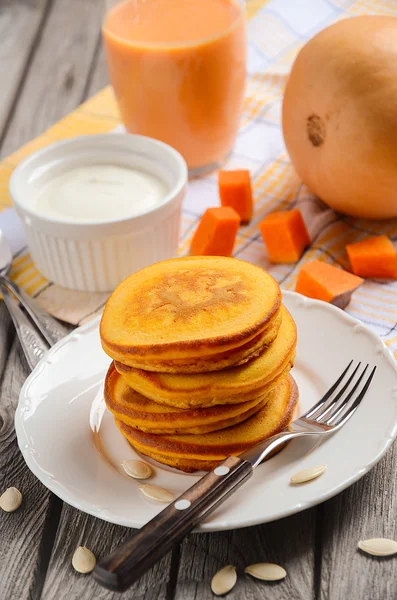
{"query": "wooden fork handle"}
{"type": "Point", "coordinates": [128, 562]}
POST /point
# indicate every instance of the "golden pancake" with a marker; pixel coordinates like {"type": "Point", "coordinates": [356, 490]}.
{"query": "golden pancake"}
{"type": "Point", "coordinates": [187, 309]}
{"type": "Point", "coordinates": [233, 440]}
{"type": "Point", "coordinates": [234, 385]}
{"type": "Point", "coordinates": [216, 362]}
{"type": "Point", "coordinates": [196, 452]}
{"type": "Point", "coordinates": [188, 465]}
{"type": "Point", "coordinates": [241, 397]}
{"type": "Point", "coordinates": [144, 414]}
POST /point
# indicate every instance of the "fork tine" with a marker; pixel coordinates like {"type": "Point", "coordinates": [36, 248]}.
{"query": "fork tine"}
{"type": "Point", "coordinates": [327, 394]}
{"type": "Point", "coordinates": [329, 407]}
{"type": "Point", "coordinates": [345, 412]}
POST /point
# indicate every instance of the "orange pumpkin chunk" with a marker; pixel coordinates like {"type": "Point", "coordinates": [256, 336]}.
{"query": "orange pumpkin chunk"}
{"type": "Point", "coordinates": [374, 257]}
{"type": "Point", "coordinates": [285, 236]}
{"type": "Point", "coordinates": [322, 281]}
{"type": "Point", "coordinates": [216, 232]}
{"type": "Point", "coordinates": [235, 191]}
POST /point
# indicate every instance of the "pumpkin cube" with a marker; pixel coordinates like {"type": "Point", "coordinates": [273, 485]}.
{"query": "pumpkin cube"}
{"type": "Point", "coordinates": [235, 191]}
{"type": "Point", "coordinates": [322, 281]}
{"type": "Point", "coordinates": [216, 232]}
{"type": "Point", "coordinates": [285, 236]}
{"type": "Point", "coordinates": [373, 257]}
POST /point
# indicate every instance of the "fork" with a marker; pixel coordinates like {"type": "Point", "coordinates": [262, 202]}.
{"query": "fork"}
{"type": "Point", "coordinates": [128, 562]}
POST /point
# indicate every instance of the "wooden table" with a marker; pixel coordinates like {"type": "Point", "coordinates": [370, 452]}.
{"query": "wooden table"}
{"type": "Point", "coordinates": [51, 59]}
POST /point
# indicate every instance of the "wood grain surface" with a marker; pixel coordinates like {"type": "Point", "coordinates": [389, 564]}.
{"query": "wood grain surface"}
{"type": "Point", "coordinates": [59, 68]}
{"type": "Point", "coordinates": [99, 74]}
{"type": "Point", "coordinates": [289, 542]}
{"type": "Point", "coordinates": [78, 529]}
{"type": "Point", "coordinates": [25, 534]}
{"type": "Point", "coordinates": [51, 59]}
{"type": "Point", "coordinates": [21, 23]}
{"type": "Point", "coordinates": [366, 510]}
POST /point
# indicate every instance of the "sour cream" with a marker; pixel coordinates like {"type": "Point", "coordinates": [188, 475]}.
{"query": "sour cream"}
{"type": "Point", "coordinates": [99, 192]}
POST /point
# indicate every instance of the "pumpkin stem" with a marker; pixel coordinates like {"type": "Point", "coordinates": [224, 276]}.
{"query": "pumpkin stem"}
{"type": "Point", "coordinates": [316, 130]}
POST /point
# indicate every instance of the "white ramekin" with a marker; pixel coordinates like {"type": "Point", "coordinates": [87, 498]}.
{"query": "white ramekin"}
{"type": "Point", "coordinates": [97, 256]}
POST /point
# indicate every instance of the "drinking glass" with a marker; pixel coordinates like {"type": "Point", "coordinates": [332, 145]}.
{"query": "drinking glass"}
{"type": "Point", "coordinates": [177, 68]}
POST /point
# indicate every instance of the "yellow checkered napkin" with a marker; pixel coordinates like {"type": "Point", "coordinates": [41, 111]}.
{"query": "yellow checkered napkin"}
{"type": "Point", "coordinates": [276, 31]}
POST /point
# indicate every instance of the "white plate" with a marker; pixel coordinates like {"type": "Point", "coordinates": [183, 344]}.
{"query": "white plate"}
{"type": "Point", "coordinates": [57, 411]}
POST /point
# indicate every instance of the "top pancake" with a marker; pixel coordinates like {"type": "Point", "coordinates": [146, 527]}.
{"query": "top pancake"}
{"type": "Point", "coordinates": [186, 308]}
{"type": "Point", "coordinates": [213, 362]}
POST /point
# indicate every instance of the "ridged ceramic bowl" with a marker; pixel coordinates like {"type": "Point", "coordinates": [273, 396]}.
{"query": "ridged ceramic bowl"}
{"type": "Point", "coordinates": [97, 256]}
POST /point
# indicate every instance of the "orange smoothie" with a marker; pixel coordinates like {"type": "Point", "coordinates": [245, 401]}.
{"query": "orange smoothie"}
{"type": "Point", "coordinates": [178, 70]}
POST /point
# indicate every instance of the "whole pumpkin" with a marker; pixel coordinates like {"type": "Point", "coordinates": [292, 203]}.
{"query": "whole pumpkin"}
{"type": "Point", "coordinates": [340, 116]}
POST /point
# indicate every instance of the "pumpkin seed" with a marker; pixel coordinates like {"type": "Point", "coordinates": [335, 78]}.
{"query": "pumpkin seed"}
{"type": "Point", "coordinates": [83, 560]}
{"type": "Point", "coordinates": [157, 493]}
{"type": "Point", "coordinates": [224, 580]}
{"type": "Point", "coordinates": [266, 571]}
{"type": "Point", "coordinates": [378, 546]}
{"type": "Point", "coordinates": [11, 499]}
{"type": "Point", "coordinates": [307, 474]}
{"type": "Point", "coordinates": [137, 469]}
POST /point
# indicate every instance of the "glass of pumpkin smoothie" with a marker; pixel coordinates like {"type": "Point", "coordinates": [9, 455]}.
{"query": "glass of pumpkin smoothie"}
{"type": "Point", "coordinates": [178, 72]}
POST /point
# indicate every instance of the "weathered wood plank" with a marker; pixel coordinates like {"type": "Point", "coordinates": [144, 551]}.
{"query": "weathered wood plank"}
{"type": "Point", "coordinates": [78, 529]}
{"type": "Point", "coordinates": [366, 510]}
{"type": "Point", "coordinates": [22, 568]}
{"type": "Point", "coordinates": [99, 75]}
{"type": "Point", "coordinates": [7, 335]}
{"type": "Point", "coordinates": [54, 84]}
{"type": "Point", "coordinates": [57, 78]}
{"type": "Point", "coordinates": [289, 542]}
{"type": "Point", "coordinates": [20, 25]}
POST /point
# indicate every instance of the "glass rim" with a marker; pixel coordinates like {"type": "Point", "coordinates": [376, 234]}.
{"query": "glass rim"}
{"type": "Point", "coordinates": [110, 4]}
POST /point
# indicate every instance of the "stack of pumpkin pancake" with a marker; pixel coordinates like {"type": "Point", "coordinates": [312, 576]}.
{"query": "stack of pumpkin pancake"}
{"type": "Point", "coordinates": [202, 348]}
